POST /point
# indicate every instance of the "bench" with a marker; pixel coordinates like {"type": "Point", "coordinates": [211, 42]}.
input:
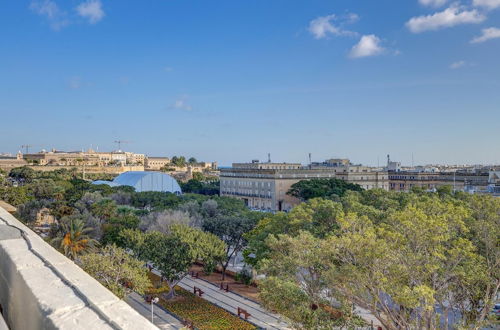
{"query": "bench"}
{"type": "Point", "coordinates": [194, 274]}
{"type": "Point", "coordinates": [226, 288]}
{"type": "Point", "coordinates": [198, 291]}
{"type": "Point", "coordinates": [244, 312]}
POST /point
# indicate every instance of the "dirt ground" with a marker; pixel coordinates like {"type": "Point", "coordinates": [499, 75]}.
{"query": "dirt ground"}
{"type": "Point", "coordinates": [248, 291]}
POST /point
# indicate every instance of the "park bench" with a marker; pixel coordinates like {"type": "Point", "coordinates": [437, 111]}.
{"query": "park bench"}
{"type": "Point", "coordinates": [244, 312]}
{"type": "Point", "coordinates": [198, 291]}
{"type": "Point", "coordinates": [194, 274]}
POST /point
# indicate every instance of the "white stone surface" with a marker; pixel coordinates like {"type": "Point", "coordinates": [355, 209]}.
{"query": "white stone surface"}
{"type": "Point", "coordinates": [42, 289]}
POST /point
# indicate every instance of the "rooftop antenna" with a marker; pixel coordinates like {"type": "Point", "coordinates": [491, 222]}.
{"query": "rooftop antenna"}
{"type": "Point", "coordinates": [26, 147]}
{"type": "Point", "coordinates": [268, 157]}
{"type": "Point", "coordinates": [412, 163]}
{"type": "Point", "coordinates": [119, 142]}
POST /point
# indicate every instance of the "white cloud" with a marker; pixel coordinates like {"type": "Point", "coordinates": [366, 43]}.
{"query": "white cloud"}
{"type": "Point", "coordinates": [368, 45]}
{"type": "Point", "coordinates": [489, 4]}
{"type": "Point", "coordinates": [487, 34]}
{"type": "Point", "coordinates": [182, 104]}
{"type": "Point", "coordinates": [433, 3]}
{"type": "Point", "coordinates": [451, 16]}
{"type": "Point", "coordinates": [91, 10]}
{"type": "Point", "coordinates": [323, 26]}
{"type": "Point", "coordinates": [75, 82]}
{"type": "Point", "coordinates": [50, 10]}
{"type": "Point", "coordinates": [458, 65]}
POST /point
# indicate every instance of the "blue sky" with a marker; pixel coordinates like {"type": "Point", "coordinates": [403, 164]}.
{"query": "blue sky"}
{"type": "Point", "coordinates": [234, 80]}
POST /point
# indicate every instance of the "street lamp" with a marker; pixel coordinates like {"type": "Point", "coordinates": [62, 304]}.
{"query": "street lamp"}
{"type": "Point", "coordinates": [153, 301]}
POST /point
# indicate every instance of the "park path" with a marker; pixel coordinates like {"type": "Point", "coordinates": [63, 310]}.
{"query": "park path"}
{"type": "Point", "coordinates": [162, 319]}
{"type": "Point", "coordinates": [231, 301]}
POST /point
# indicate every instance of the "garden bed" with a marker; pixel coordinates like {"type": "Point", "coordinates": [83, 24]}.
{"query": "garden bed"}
{"type": "Point", "coordinates": [202, 314]}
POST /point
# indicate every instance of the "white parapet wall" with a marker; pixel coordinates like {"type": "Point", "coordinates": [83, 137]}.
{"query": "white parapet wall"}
{"type": "Point", "coordinates": [42, 289]}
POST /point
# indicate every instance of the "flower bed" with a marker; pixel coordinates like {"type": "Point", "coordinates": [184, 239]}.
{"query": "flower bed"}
{"type": "Point", "coordinates": [203, 314]}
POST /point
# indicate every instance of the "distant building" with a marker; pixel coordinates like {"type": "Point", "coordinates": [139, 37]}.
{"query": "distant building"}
{"type": "Point", "coordinates": [264, 186]}
{"type": "Point", "coordinates": [8, 162]}
{"type": "Point", "coordinates": [156, 163]}
{"type": "Point", "coordinates": [494, 183]}
{"type": "Point", "coordinates": [145, 181]}
{"type": "Point", "coordinates": [459, 180]}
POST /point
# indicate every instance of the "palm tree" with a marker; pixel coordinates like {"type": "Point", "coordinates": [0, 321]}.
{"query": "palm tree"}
{"type": "Point", "coordinates": [73, 239]}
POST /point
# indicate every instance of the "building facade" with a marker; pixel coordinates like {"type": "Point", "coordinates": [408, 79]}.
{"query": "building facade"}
{"type": "Point", "coordinates": [459, 180]}
{"type": "Point", "coordinates": [264, 186]}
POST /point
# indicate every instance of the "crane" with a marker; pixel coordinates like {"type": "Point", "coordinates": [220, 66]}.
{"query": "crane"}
{"type": "Point", "coordinates": [26, 147]}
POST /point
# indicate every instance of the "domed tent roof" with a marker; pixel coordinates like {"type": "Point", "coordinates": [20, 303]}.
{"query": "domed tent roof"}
{"type": "Point", "coordinates": [145, 181]}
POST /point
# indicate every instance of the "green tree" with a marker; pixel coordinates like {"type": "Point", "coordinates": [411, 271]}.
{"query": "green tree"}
{"type": "Point", "coordinates": [116, 270]}
{"type": "Point", "coordinates": [231, 231]}
{"type": "Point", "coordinates": [73, 239]}
{"type": "Point", "coordinates": [317, 216]}
{"type": "Point", "coordinates": [104, 209]}
{"type": "Point", "coordinates": [325, 188]}
{"type": "Point", "coordinates": [411, 267]}
{"type": "Point", "coordinates": [295, 283]}
{"type": "Point", "coordinates": [192, 160]}
{"type": "Point", "coordinates": [24, 173]}
{"type": "Point", "coordinates": [179, 161]}
{"type": "Point", "coordinates": [172, 254]}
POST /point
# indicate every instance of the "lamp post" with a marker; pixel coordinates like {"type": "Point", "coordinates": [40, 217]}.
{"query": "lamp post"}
{"type": "Point", "coordinates": [153, 301]}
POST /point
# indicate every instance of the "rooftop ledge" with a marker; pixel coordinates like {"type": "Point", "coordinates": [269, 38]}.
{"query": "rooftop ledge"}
{"type": "Point", "coordinates": [42, 289]}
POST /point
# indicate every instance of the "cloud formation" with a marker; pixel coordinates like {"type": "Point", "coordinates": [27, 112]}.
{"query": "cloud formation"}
{"type": "Point", "coordinates": [91, 10]}
{"type": "Point", "coordinates": [487, 34]}
{"type": "Point", "coordinates": [368, 45]}
{"type": "Point", "coordinates": [75, 82]}
{"type": "Point", "coordinates": [182, 104]}
{"type": "Point", "coordinates": [56, 17]}
{"type": "Point", "coordinates": [323, 26]}
{"type": "Point", "coordinates": [433, 3]}
{"type": "Point", "coordinates": [452, 16]}
{"type": "Point", "coordinates": [488, 4]}
{"type": "Point", "coordinates": [458, 65]}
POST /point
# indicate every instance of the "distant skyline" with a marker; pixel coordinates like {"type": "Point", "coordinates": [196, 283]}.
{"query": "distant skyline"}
{"type": "Point", "coordinates": [231, 81]}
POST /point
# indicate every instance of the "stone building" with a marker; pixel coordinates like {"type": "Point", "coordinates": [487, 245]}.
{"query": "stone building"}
{"type": "Point", "coordinates": [264, 186]}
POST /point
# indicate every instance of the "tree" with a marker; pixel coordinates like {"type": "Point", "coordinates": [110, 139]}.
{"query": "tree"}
{"type": "Point", "coordinates": [178, 161]}
{"type": "Point", "coordinates": [73, 239]}
{"type": "Point", "coordinates": [325, 188]}
{"type": "Point", "coordinates": [24, 173]}
{"type": "Point", "coordinates": [116, 270]}
{"type": "Point", "coordinates": [163, 220]}
{"type": "Point", "coordinates": [231, 231]}
{"type": "Point", "coordinates": [317, 216]}
{"type": "Point", "coordinates": [172, 254]}
{"type": "Point", "coordinates": [104, 209]}
{"type": "Point", "coordinates": [192, 160]}
{"type": "Point", "coordinates": [411, 267]}
{"type": "Point", "coordinates": [295, 283]}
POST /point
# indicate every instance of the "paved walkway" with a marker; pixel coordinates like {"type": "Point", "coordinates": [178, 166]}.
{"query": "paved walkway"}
{"type": "Point", "coordinates": [231, 301]}
{"type": "Point", "coordinates": [162, 319]}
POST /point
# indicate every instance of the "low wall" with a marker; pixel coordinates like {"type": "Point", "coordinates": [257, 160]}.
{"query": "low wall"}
{"type": "Point", "coordinates": [42, 289]}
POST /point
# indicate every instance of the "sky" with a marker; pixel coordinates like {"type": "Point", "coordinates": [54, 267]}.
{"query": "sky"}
{"type": "Point", "coordinates": [232, 81]}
